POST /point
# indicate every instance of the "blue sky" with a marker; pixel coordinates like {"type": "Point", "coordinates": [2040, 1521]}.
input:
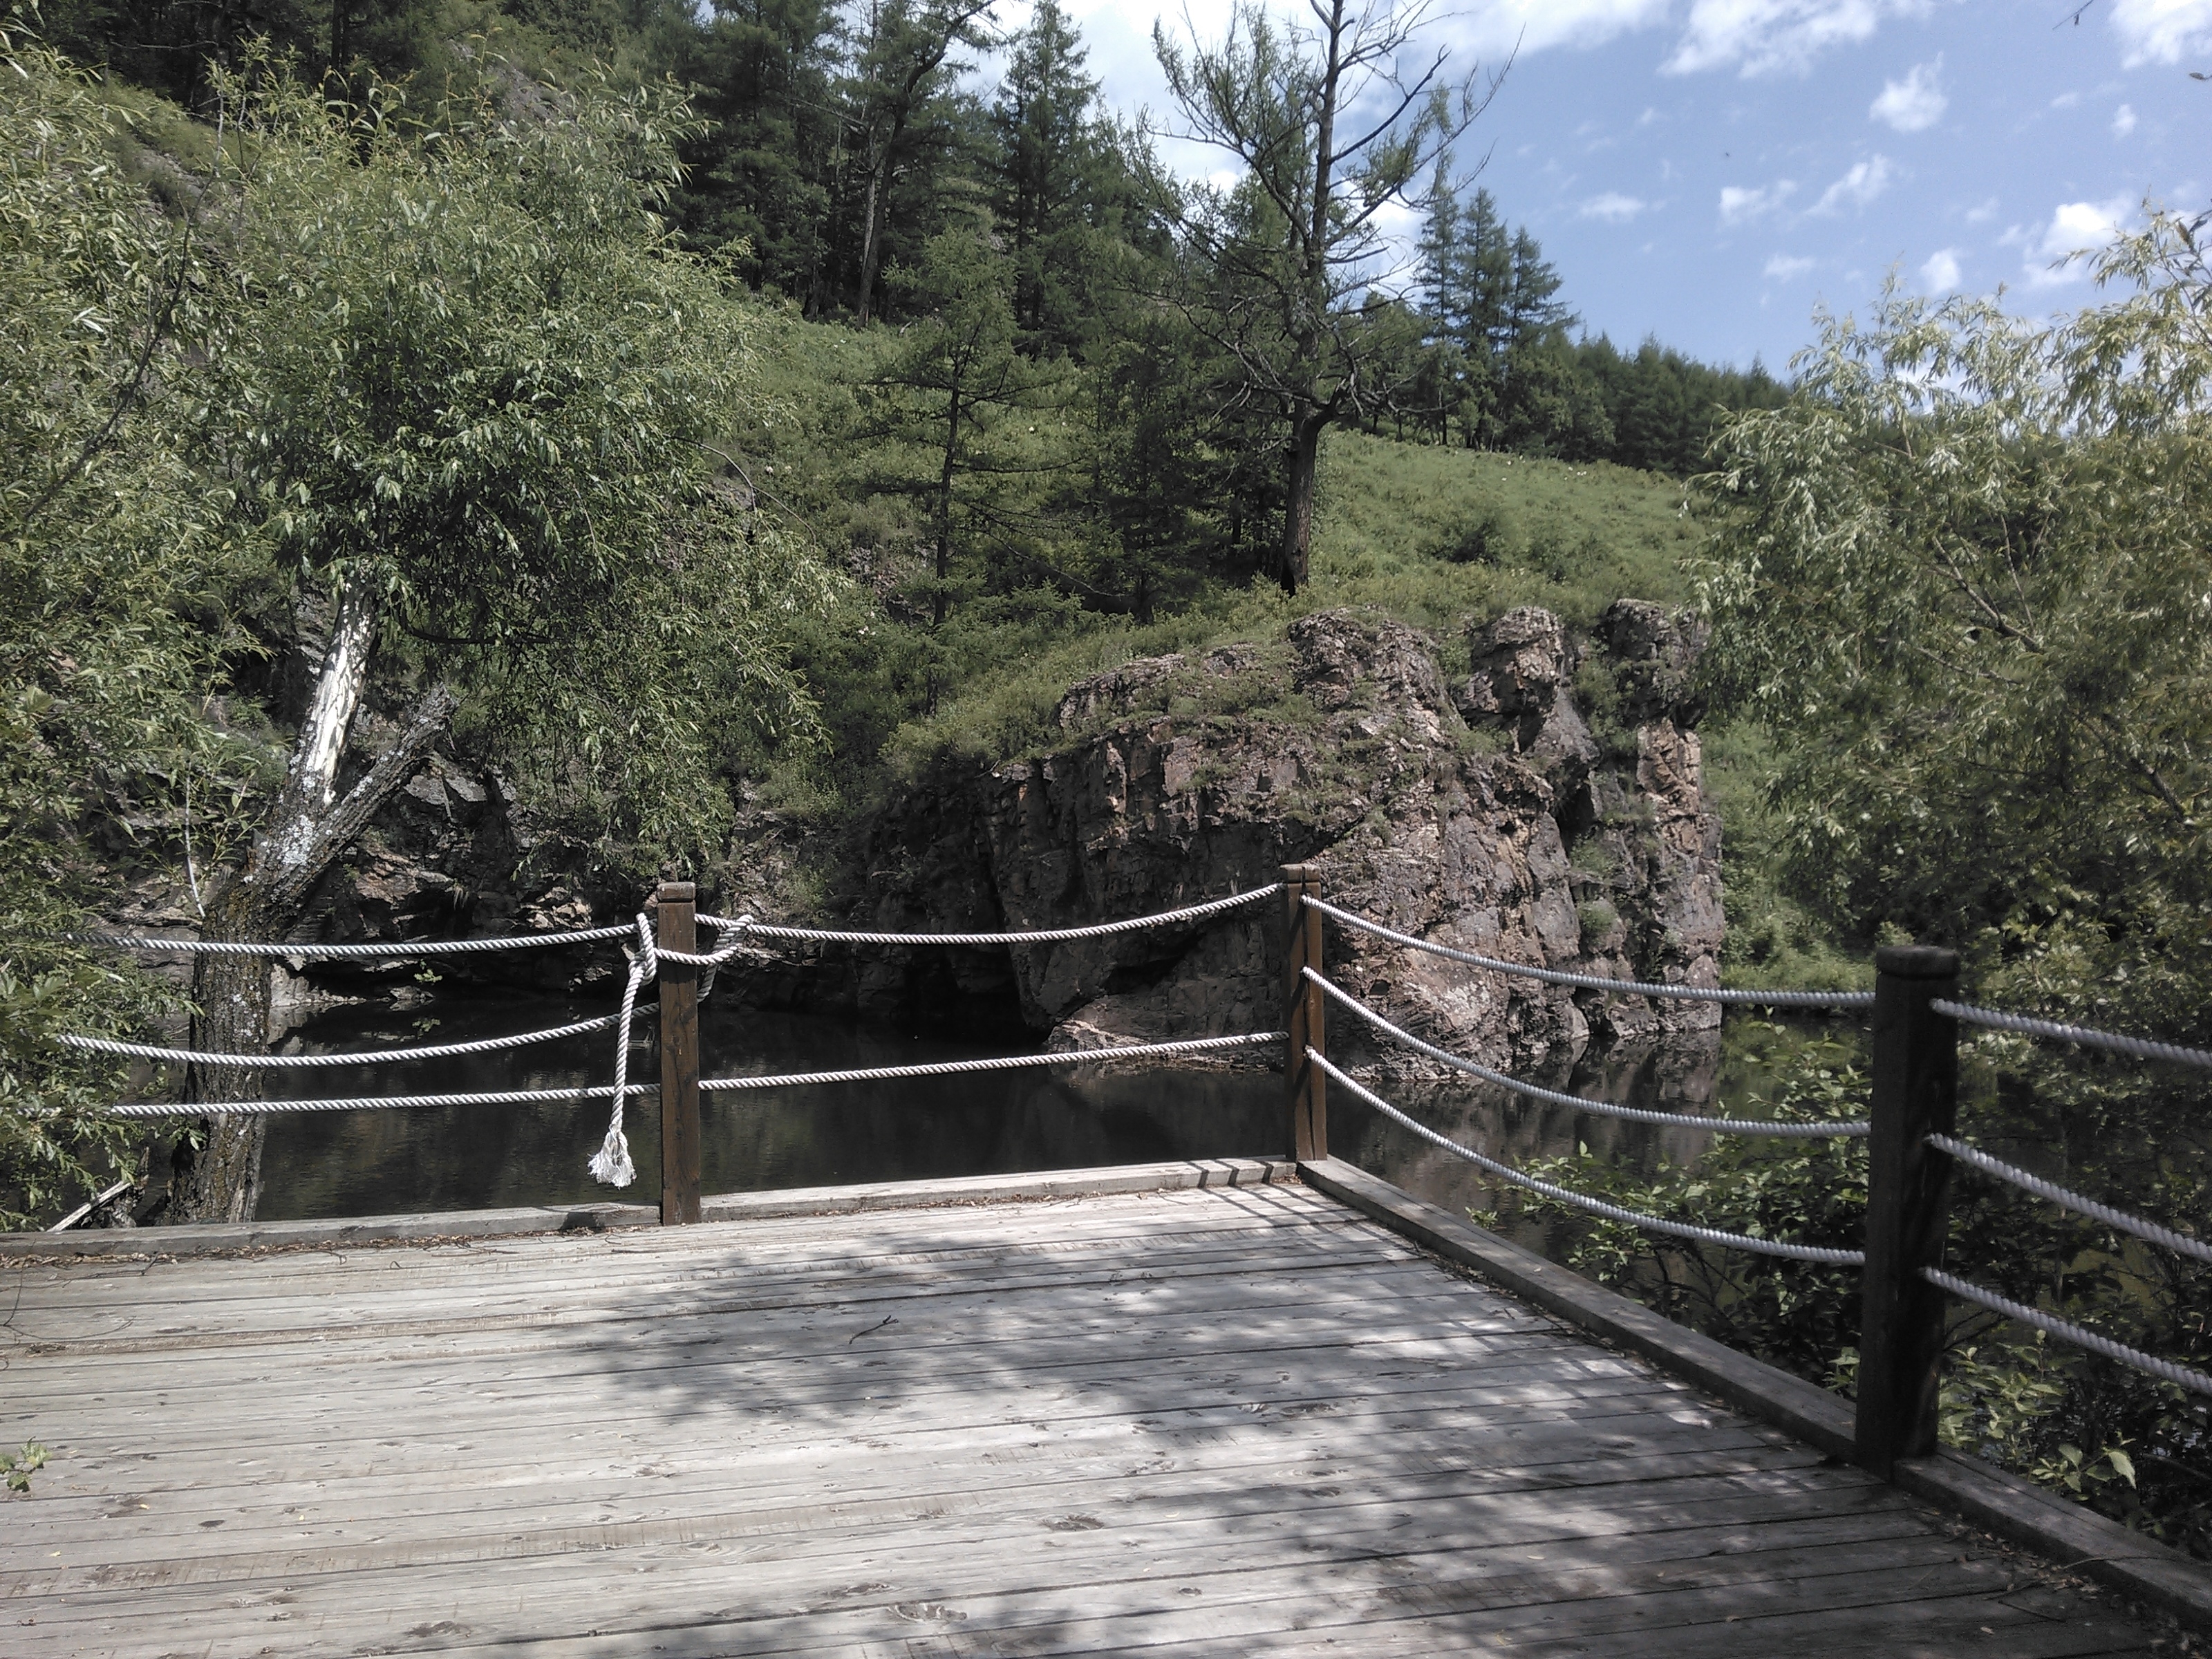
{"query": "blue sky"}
{"type": "Point", "coordinates": [1708, 171]}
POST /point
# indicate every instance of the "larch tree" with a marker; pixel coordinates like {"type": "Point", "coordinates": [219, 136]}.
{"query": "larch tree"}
{"type": "Point", "coordinates": [904, 65]}
{"type": "Point", "coordinates": [1327, 132]}
{"type": "Point", "coordinates": [1043, 125]}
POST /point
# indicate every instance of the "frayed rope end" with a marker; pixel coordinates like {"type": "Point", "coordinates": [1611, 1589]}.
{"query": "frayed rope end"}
{"type": "Point", "coordinates": [611, 1164]}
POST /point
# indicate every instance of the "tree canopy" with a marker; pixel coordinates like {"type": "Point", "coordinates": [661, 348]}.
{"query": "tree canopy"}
{"type": "Point", "coordinates": [1967, 571]}
{"type": "Point", "coordinates": [436, 409]}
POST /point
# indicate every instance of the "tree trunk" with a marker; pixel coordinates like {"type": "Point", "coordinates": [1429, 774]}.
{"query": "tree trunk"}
{"type": "Point", "coordinates": [1297, 508]}
{"type": "Point", "coordinates": [938, 605]}
{"type": "Point", "coordinates": [862, 301]}
{"type": "Point", "coordinates": [216, 1170]}
{"type": "Point", "coordinates": [1308, 422]}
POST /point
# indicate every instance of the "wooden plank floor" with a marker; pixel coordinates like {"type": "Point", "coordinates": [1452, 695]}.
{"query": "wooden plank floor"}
{"type": "Point", "coordinates": [1231, 1421]}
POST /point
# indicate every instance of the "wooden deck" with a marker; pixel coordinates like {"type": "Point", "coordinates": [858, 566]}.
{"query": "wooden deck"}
{"type": "Point", "coordinates": [1234, 1422]}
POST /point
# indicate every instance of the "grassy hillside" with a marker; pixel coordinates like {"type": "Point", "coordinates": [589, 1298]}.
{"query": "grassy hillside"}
{"type": "Point", "coordinates": [1430, 536]}
{"type": "Point", "coordinates": [1434, 534]}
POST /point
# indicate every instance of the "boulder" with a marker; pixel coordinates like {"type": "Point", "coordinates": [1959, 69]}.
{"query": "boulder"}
{"type": "Point", "coordinates": [1489, 816]}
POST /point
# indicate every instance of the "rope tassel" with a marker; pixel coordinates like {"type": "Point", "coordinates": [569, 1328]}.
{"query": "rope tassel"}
{"type": "Point", "coordinates": [611, 1165]}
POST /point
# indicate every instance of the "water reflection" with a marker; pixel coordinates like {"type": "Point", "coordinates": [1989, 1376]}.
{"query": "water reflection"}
{"type": "Point", "coordinates": [384, 1162]}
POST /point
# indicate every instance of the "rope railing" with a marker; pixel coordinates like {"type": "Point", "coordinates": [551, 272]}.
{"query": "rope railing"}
{"type": "Point", "coordinates": [313, 952]}
{"type": "Point", "coordinates": [1581, 1201]}
{"type": "Point", "coordinates": [2065, 1331]}
{"type": "Point", "coordinates": [2085, 1037]}
{"type": "Point", "coordinates": [750, 928]}
{"type": "Point", "coordinates": [359, 1057]}
{"type": "Point", "coordinates": [2067, 1199]}
{"type": "Point", "coordinates": [611, 1164]}
{"type": "Point", "coordinates": [1579, 1103]}
{"type": "Point", "coordinates": [1592, 982]}
{"type": "Point", "coordinates": [367, 1102]}
{"type": "Point", "coordinates": [996, 1063]}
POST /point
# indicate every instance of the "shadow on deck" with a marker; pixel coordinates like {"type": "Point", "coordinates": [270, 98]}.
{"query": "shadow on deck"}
{"type": "Point", "coordinates": [1239, 1419]}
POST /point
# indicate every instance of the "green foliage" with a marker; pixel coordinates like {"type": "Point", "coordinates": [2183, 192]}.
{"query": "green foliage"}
{"type": "Point", "coordinates": [2102, 1433]}
{"type": "Point", "coordinates": [466, 371]}
{"type": "Point", "coordinates": [1497, 370]}
{"type": "Point", "coordinates": [1773, 941]}
{"type": "Point", "coordinates": [1798, 1314]}
{"type": "Point", "coordinates": [1964, 572]}
{"type": "Point", "coordinates": [473, 373]}
{"type": "Point", "coordinates": [1959, 581]}
{"type": "Point", "coordinates": [19, 1466]}
{"type": "Point", "coordinates": [111, 554]}
{"type": "Point", "coordinates": [958, 408]}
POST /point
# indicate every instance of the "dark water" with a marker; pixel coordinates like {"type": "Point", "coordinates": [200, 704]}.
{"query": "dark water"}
{"type": "Point", "coordinates": [382, 1162]}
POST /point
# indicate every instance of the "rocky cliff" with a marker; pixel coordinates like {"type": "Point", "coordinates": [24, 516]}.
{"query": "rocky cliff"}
{"type": "Point", "coordinates": [1544, 807]}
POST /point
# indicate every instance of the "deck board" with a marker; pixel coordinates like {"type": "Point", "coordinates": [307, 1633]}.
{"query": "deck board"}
{"type": "Point", "coordinates": [1233, 1421]}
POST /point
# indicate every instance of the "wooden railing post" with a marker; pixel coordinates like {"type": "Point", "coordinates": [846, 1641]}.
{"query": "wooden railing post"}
{"type": "Point", "coordinates": [1308, 1098]}
{"type": "Point", "coordinates": [679, 1057]}
{"type": "Point", "coordinates": [1915, 1091]}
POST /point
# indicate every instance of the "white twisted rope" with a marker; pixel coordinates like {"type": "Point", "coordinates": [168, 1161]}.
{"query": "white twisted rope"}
{"type": "Point", "coordinates": [1594, 1206]}
{"type": "Point", "coordinates": [1041, 936]}
{"type": "Point", "coordinates": [365, 1057]}
{"type": "Point", "coordinates": [366, 1102]}
{"type": "Point", "coordinates": [1602, 1108]}
{"type": "Point", "coordinates": [1589, 982]}
{"type": "Point", "coordinates": [2181, 1376]}
{"type": "Point", "coordinates": [448, 947]}
{"type": "Point", "coordinates": [2067, 1199]}
{"type": "Point", "coordinates": [2085, 1036]}
{"type": "Point", "coordinates": [611, 1165]}
{"type": "Point", "coordinates": [1002, 1063]}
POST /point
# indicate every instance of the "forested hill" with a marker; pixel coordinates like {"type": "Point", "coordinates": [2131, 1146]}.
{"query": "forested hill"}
{"type": "Point", "coordinates": [838, 141]}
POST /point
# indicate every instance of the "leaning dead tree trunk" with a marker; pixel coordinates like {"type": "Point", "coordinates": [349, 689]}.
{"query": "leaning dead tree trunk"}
{"type": "Point", "coordinates": [215, 1172]}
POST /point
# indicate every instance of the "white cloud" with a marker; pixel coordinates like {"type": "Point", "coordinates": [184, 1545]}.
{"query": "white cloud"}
{"type": "Point", "coordinates": [1788, 268]}
{"type": "Point", "coordinates": [2123, 121]}
{"type": "Point", "coordinates": [2161, 31]}
{"type": "Point", "coordinates": [1765, 37]}
{"type": "Point", "coordinates": [1866, 181]}
{"type": "Point", "coordinates": [1940, 275]}
{"type": "Point", "coordinates": [1614, 208]}
{"type": "Point", "coordinates": [1739, 205]}
{"type": "Point", "coordinates": [1983, 214]}
{"type": "Point", "coordinates": [2066, 100]}
{"type": "Point", "coordinates": [2075, 227]}
{"type": "Point", "coordinates": [1500, 26]}
{"type": "Point", "coordinates": [1914, 104]}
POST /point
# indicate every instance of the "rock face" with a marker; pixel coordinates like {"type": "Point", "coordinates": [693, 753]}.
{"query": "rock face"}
{"type": "Point", "coordinates": [450, 857]}
{"type": "Point", "coordinates": [1546, 808]}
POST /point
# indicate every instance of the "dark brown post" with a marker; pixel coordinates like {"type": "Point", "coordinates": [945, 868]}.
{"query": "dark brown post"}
{"type": "Point", "coordinates": [1308, 1098]}
{"type": "Point", "coordinates": [679, 1057]}
{"type": "Point", "coordinates": [1915, 1093]}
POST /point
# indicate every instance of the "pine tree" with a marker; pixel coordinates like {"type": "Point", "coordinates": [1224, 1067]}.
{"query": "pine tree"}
{"type": "Point", "coordinates": [901, 94]}
{"type": "Point", "coordinates": [1486, 279]}
{"type": "Point", "coordinates": [1437, 274]}
{"type": "Point", "coordinates": [1533, 313]}
{"type": "Point", "coordinates": [1045, 135]}
{"type": "Point", "coordinates": [763, 174]}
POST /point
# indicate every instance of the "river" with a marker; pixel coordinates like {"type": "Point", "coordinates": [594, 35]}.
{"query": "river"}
{"type": "Point", "coordinates": [383, 1162]}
